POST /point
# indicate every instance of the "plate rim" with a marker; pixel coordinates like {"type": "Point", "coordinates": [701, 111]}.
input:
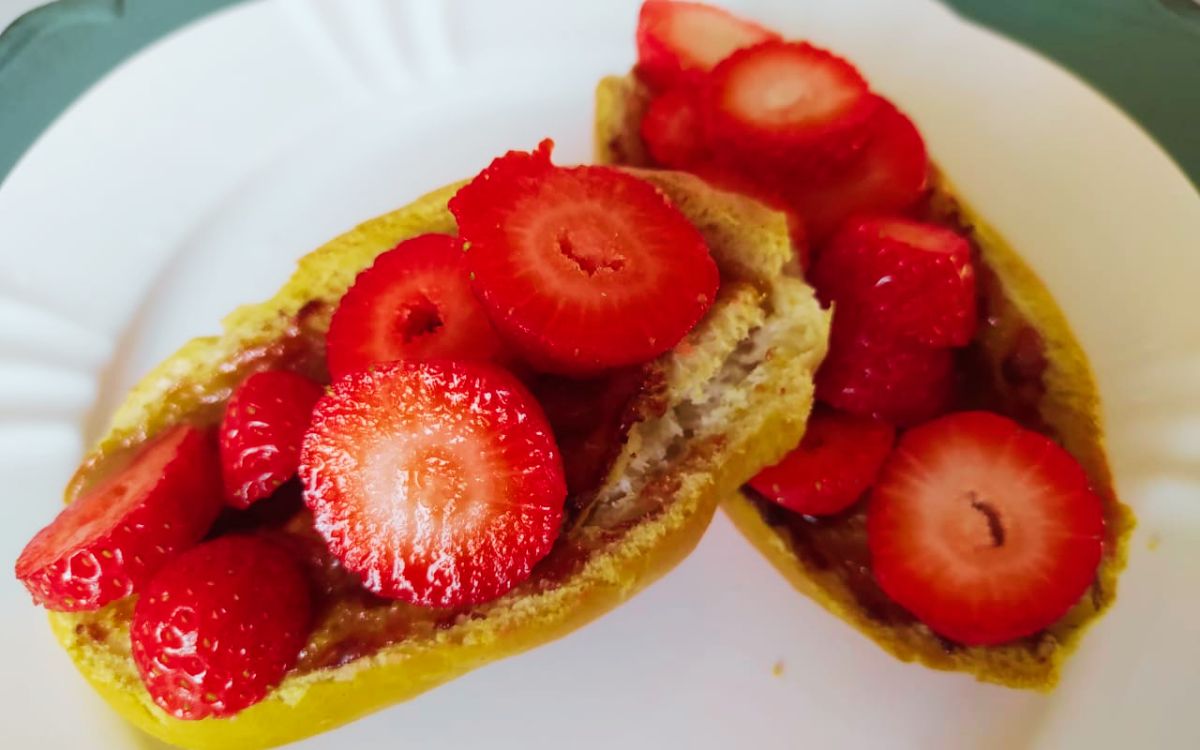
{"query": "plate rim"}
{"type": "Point", "coordinates": [88, 39]}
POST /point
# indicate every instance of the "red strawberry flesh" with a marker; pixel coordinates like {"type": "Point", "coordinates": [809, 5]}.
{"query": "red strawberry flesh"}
{"type": "Point", "coordinates": [788, 103]}
{"type": "Point", "coordinates": [219, 626]}
{"type": "Point", "coordinates": [583, 269]}
{"type": "Point", "coordinates": [985, 531]}
{"type": "Point", "coordinates": [902, 279]}
{"type": "Point", "coordinates": [877, 377]}
{"type": "Point", "coordinates": [439, 482]}
{"type": "Point", "coordinates": [414, 301]}
{"type": "Point", "coordinates": [832, 467]}
{"type": "Point", "coordinates": [261, 432]}
{"type": "Point", "coordinates": [111, 539]}
{"type": "Point", "coordinates": [673, 130]}
{"type": "Point", "coordinates": [887, 175]}
{"type": "Point", "coordinates": [678, 41]}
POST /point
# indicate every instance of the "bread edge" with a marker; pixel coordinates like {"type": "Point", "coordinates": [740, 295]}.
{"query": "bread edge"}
{"type": "Point", "coordinates": [1071, 406]}
{"type": "Point", "coordinates": [309, 705]}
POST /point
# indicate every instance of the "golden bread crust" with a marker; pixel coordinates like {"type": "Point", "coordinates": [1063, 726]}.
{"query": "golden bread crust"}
{"type": "Point", "coordinates": [627, 543]}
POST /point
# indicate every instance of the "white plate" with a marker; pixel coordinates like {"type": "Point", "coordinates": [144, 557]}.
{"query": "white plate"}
{"type": "Point", "coordinates": [190, 179]}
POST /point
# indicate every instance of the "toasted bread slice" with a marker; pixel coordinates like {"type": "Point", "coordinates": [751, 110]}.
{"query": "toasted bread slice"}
{"type": "Point", "coordinates": [731, 398]}
{"type": "Point", "coordinates": [1063, 403]}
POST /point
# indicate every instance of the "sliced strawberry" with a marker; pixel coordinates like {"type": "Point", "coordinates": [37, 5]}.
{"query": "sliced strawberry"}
{"type": "Point", "coordinates": [111, 539]}
{"type": "Point", "coordinates": [219, 626]}
{"type": "Point", "coordinates": [903, 279]}
{"type": "Point", "coordinates": [679, 41]}
{"type": "Point", "coordinates": [832, 467]}
{"type": "Point", "coordinates": [731, 179]}
{"type": "Point", "coordinates": [673, 130]}
{"type": "Point", "coordinates": [414, 301]}
{"type": "Point", "coordinates": [788, 105]}
{"type": "Point", "coordinates": [984, 530]}
{"type": "Point", "coordinates": [887, 175]}
{"type": "Point", "coordinates": [264, 423]}
{"type": "Point", "coordinates": [900, 383]}
{"type": "Point", "coordinates": [582, 269]}
{"type": "Point", "coordinates": [438, 482]}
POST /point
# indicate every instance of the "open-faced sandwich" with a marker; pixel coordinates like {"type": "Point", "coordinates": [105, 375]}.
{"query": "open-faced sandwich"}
{"type": "Point", "coordinates": [458, 431]}
{"type": "Point", "coordinates": [951, 497]}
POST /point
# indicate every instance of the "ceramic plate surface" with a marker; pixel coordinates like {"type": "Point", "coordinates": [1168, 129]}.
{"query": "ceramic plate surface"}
{"type": "Point", "coordinates": [191, 178]}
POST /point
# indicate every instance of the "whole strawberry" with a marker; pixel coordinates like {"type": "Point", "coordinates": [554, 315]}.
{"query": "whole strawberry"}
{"type": "Point", "coordinates": [220, 625]}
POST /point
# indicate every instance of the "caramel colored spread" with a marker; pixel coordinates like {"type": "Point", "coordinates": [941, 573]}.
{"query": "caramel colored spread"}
{"type": "Point", "coordinates": [351, 622]}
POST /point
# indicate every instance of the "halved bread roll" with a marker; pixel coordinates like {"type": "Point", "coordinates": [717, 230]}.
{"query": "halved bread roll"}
{"type": "Point", "coordinates": [731, 398]}
{"type": "Point", "coordinates": [828, 561]}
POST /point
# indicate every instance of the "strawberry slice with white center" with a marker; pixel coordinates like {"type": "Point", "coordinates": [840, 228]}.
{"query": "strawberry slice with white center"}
{"type": "Point", "coordinates": [438, 482]}
{"type": "Point", "coordinates": [985, 531]}
{"type": "Point", "coordinates": [679, 41]}
{"type": "Point", "coordinates": [888, 174]}
{"type": "Point", "coordinates": [108, 542]}
{"type": "Point", "coordinates": [414, 301]}
{"type": "Point", "coordinates": [582, 269]}
{"type": "Point", "coordinates": [789, 103]}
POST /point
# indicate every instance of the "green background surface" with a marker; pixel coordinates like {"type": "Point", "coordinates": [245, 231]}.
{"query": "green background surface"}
{"type": "Point", "coordinates": [1143, 54]}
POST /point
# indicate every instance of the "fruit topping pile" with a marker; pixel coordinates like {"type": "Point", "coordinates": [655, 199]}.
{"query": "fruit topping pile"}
{"type": "Point", "coordinates": [787, 122]}
{"type": "Point", "coordinates": [984, 530]}
{"type": "Point", "coordinates": [477, 379]}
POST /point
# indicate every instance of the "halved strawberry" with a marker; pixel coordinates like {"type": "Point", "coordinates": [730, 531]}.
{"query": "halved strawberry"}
{"type": "Point", "coordinates": [832, 467]}
{"type": "Point", "coordinates": [219, 626]}
{"type": "Point", "coordinates": [111, 539]}
{"type": "Point", "coordinates": [887, 175]}
{"type": "Point", "coordinates": [264, 423]}
{"type": "Point", "coordinates": [871, 376]}
{"type": "Point", "coordinates": [984, 530]}
{"type": "Point", "coordinates": [673, 130]}
{"type": "Point", "coordinates": [582, 269]}
{"type": "Point", "coordinates": [438, 482]}
{"type": "Point", "coordinates": [414, 301]}
{"type": "Point", "coordinates": [678, 41]}
{"type": "Point", "coordinates": [788, 105]}
{"type": "Point", "coordinates": [903, 279]}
